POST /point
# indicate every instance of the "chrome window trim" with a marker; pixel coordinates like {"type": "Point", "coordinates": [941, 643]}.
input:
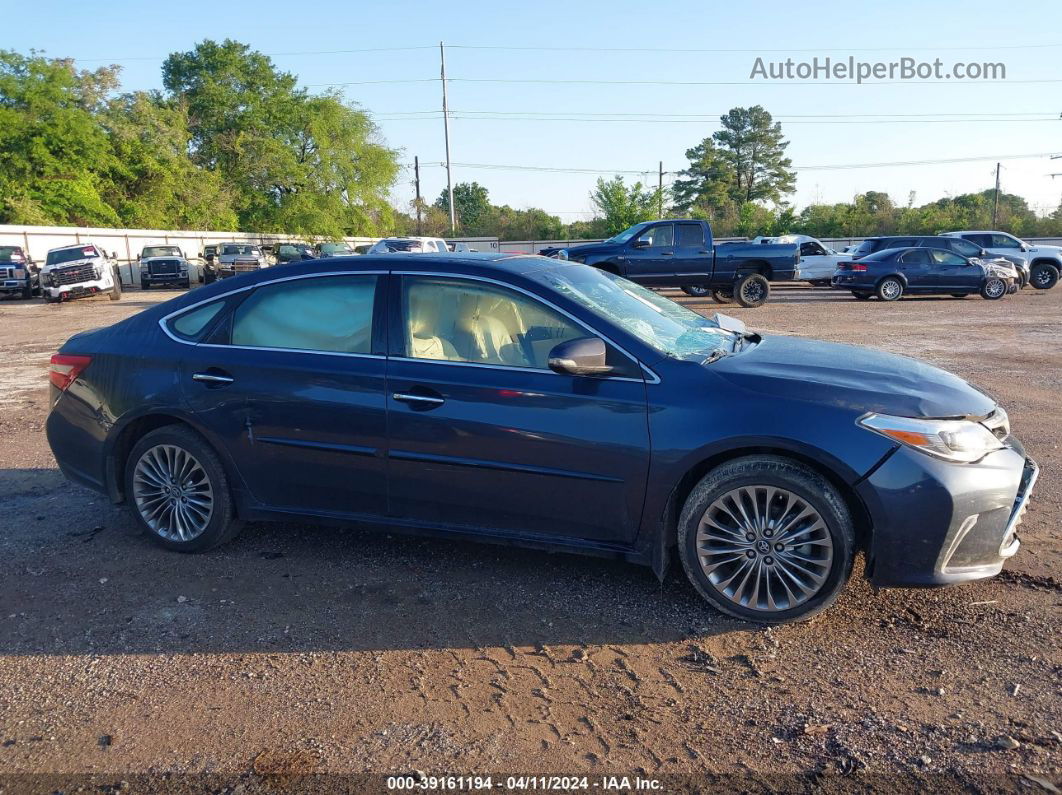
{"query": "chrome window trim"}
{"type": "Point", "coordinates": [652, 377]}
{"type": "Point", "coordinates": [223, 296]}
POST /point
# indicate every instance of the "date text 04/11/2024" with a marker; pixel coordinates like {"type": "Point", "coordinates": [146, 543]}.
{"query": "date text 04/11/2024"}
{"type": "Point", "coordinates": [427, 783]}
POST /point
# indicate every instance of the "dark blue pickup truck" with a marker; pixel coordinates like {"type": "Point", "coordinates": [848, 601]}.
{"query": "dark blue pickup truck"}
{"type": "Point", "coordinates": [680, 254]}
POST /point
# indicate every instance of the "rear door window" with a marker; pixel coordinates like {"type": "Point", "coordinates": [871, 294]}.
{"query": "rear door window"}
{"type": "Point", "coordinates": [689, 236]}
{"type": "Point", "coordinates": [332, 315]}
{"type": "Point", "coordinates": [916, 256]}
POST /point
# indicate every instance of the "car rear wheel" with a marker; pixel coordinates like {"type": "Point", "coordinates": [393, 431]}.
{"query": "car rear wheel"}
{"type": "Point", "coordinates": [993, 289]}
{"type": "Point", "coordinates": [890, 289]}
{"type": "Point", "coordinates": [177, 488]}
{"type": "Point", "coordinates": [696, 290]}
{"type": "Point", "coordinates": [861, 296]}
{"type": "Point", "coordinates": [1043, 276]}
{"type": "Point", "coordinates": [752, 290]}
{"type": "Point", "coordinates": [766, 539]}
{"type": "Point", "coordinates": [722, 297]}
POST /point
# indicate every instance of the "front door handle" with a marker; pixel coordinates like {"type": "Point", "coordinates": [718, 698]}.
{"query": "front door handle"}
{"type": "Point", "coordinates": [406, 397]}
{"type": "Point", "coordinates": [213, 378]}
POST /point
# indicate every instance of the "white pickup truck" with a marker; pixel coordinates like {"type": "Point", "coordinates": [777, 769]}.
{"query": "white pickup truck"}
{"type": "Point", "coordinates": [817, 261]}
{"type": "Point", "coordinates": [1045, 262]}
{"type": "Point", "coordinates": [77, 271]}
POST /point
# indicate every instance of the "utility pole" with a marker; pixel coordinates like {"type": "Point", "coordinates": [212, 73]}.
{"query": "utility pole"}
{"type": "Point", "coordinates": [446, 133]}
{"type": "Point", "coordinates": [416, 180]}
{"type": "Point", "coordinates": [995, 204]}
{"type": "Point", "coordinates": [660, 192]}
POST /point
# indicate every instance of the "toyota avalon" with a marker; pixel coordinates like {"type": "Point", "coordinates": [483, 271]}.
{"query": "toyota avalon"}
{"type": "Point", "coordinates": [547, 404]}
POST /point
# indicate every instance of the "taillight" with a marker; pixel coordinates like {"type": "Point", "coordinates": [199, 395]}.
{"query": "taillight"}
{"type": "Point", "coordinates": [65, 369]}
{"type": "Point", "coordinates": [859, 267]}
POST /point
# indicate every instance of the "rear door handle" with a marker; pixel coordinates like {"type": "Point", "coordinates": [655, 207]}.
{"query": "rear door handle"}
{"type": "Point", "coordinates": [406, 397]}
{"type": "Point", "coordinates": [213, 378]}
{"type": "Point", "coordinates": [667, 253]}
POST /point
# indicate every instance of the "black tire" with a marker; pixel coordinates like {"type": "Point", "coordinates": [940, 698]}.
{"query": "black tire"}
{"type": "Point", "coordinates": [993, 289]}
{"type": "Point", "coordinates": [116, 291]}
{"type": "Point", "coordinates": [722, 297]}
{"type": "Point", "coordinates": [780, 473]}
{"type": "Point", "coordinates": [27, 292]}
{"type": "Point", "coordinates": [186, 284]}
{"type": "Point", "coordinates": [959, 295]}
{"type": "Point", "coordinates": [222, 525]}
{"type": "Point", "coordinates": [860, 296]}
{"type": "Point", "coordinates": [890, 289]}
{"type": "Point", "coordinates": [1043, 276]}
{"type": "Point", "coordinates": [752, 290]}
{"type": "Point", "coordinates": [144, 284]}
{"type": "Point", "coordinates": [696, 290]}
{"type": "Point", "coordinates": [49, 300]}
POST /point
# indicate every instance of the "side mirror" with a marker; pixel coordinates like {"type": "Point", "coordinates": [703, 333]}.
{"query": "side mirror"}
{"type": "Point", "coordinates": [641, 243]}
{"type": "Point", "coordinates": [583, 356]}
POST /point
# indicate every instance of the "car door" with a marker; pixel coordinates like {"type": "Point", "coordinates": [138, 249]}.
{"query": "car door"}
{"type": "Point", "coordinates": [485, 438]}
{"type": "Point", "coordinates": [292, 384]}
{"type": "Point", "coordinates": [692, 256]}
{"type": "Point", "coordinates": [815, 262]}
{"type": "Point", "coordinates": [650, 257]}
{"type": "Point", "coordinates": [950, 272]}
{"type": "Point", "coordinates": [914, 265]}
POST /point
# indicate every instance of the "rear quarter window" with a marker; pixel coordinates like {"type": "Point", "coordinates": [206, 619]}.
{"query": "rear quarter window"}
{"type": "Point", "coordinates": [192, 324]}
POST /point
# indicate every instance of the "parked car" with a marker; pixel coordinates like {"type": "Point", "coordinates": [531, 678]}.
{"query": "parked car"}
{"type": "Point", "coordinates": [681, 254]}
{"type": "Point", "coordinates": [294, 252]}
{"type": "Point", "coordinates": [236, 258]}
{"type": "Point", "coordinates": [1043, 262]}
{"type": "Point", "coordinates": [163, 265]}
{"type": "Point", "coordinates": [335, 250]}
{"type": "Point", "coordinates": [18, 274]}
{"type": "Point", "coordinates": [963, 248]}
{"type": "Point", "coordinates": [78, 271]}
{"type": "Point", "coordinates": [410, 245]}
{"type": "Point", "coordinates": [893, 272]}
{"type": "Point", "coordinates": [545, 405]}
{"type": "Point", "coordinates": [817, 261]}
{"type": "Point", "coordinates": [462, 248]}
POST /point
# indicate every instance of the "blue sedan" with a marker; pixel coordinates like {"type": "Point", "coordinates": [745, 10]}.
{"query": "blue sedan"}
{"type": "Point", "coordinates": [547, 404]}
{"type": "Point", "coordinates": [891, 273]}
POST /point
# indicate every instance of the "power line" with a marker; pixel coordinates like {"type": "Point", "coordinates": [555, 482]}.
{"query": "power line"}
{"type": "Point", "coordinates": [570, 51]}
{"type": "Point", "coordinates": [823, 167]}
{"type": "Point", "coordinates": [459, 115]}
{"type": "Point", "coordinates": [595, 82]}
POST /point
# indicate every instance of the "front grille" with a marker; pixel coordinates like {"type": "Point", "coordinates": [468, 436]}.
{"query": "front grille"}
{"type": "Point", "coordinates": [163, 268]}
{"type": "Point", "coordinates": [74, 274]}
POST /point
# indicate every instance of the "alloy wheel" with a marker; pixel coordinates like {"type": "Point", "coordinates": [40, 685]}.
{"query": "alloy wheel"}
{"type": "Point", "coordinates": [995, 288]}
{"type": "Point", "coordinates": [172, 492]}
{"type": "Point", "coordinates": [752, 291]}
{"type": "Point", "coordinates": [890, 289]}
{"type": "Point", "coordinates": [764, 548]}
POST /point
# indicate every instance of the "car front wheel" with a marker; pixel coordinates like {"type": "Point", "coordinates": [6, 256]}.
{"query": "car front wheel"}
{"type": "Point", "coordinates": [993, 289]}
{"type": "Point", "coordinates": [722, 297]}
{"type": "Point", "coordinates": [860, 296]}
{"type": "Point", "coordinates": [178, 491]}
{"type": "Point", "coordinates": [1043, 277]}
{"type": "Point", "coordinates": [766, 539]}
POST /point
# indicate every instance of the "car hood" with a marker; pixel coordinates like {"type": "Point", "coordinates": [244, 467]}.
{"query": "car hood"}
{"type": "Point", "coordinates": [162, 258]}
{"type": "Point", "coordinates": [1054, 251]}
{"type": "Point", "coordinates": [592, 248]}
{"type": "Point", "coordinates": [847, 376]}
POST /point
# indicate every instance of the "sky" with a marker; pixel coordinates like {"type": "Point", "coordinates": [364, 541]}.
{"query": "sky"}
{"type": "Point", "coordinates": [664, 73]}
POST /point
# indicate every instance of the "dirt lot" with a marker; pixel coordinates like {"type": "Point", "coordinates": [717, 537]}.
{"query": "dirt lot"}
{"type": "Point", "coordinates": [299, 649]}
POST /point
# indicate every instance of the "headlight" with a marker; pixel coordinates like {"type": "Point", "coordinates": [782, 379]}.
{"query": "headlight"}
{"type": "Point", "coordinates": [962, 441]}
{"type": "Point", "coordinates": [562, 254]}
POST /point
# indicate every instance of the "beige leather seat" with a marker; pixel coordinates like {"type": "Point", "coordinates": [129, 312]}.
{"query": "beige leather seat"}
{"type": "Point", "coordinates": [487, 331]}
{"type": "Point", "coordinates": [424, 341]}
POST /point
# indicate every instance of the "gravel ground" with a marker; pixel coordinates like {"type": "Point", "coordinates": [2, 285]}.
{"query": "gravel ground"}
{"type": "Point", "coordinates": [303, 656]}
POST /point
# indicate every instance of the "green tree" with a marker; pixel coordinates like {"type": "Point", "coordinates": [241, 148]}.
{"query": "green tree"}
{"type": "Point", "coordinates": [707, 182]}
{"type": "Point", "coordinates": [471, 206]}
{"type": "Point", "coordinates": [623, 206]}
{"type": "Point", "coordinates": [153, 181]}
{"type": "Point", "coordinates": [298, 162]}
{"type": "Point", "coordinates": [52, 146]}
{"type": "Point", "coordinates": [753, 147]}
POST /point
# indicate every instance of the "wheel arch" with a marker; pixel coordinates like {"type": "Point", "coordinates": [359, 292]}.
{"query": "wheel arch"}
{"type": "Point", "coordinates": [125, 435]}
{"type": "Point", "coordinates": [836, 474]}
{"type": "Point", "coordinates": [609, 266]}
{"type": "Point", "coordinates": [755, 266]}
{"type": "Point", "coordinates": [1054, 263]}
{"type": "Point", "coordinates": [897, 276]}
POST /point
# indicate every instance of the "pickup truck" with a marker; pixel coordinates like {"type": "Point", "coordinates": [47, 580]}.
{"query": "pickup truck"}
{"type": "Point", "coordinates": [18, 275]}
{"type": "Point", "coordinates": [679, 253]}
{"type": "Point", "coordinates": [1044, 263]}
